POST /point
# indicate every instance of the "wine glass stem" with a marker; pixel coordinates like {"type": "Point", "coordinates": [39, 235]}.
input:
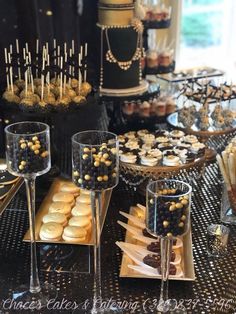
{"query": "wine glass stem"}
{"type": "Point", "coordinates": [166, 249]}
{"type": "Point", "coordinates": [30, 192]}
{"type": "Point", "coordinates": [96, 210]}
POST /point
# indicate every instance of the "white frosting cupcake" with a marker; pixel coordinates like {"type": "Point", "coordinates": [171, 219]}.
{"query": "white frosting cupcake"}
{"type": "Point", "coordinates": [190, 139]}
{"type": "Point", "coordinates": [171, 160]}
{"type": "Point", "coordinates": [149, 161]}
{"type": "Point", "coordinates": [129, 158]}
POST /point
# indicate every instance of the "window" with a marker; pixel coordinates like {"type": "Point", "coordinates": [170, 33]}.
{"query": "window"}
{"type": "Point", "coordinates": [208, 35]}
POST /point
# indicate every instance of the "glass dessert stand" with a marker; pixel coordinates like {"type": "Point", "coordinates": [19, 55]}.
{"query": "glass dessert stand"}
{"type": "Point", "coordinates": [215, 139]}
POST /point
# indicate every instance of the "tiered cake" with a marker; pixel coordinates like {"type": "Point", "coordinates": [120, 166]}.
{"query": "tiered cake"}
{"type": "Point", "coordinates": [121, 48]}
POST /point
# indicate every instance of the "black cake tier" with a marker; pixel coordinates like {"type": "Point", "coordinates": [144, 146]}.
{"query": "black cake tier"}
{"type": "Point", "coordinates": [123, 44]}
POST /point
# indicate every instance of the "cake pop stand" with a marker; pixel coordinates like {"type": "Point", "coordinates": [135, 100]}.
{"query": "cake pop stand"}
{"type": "Point", "coordinates": [48, 115]}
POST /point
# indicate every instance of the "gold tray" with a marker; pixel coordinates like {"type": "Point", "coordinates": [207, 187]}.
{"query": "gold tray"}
{"type": "Point", "coordinates": [186, 254]}
{"type": "Point", "coordinates": [43, 210]}
{"type": "Point", "coordinates": [158, 172]}
{"type": "Point", "coordinates": [11, 193]}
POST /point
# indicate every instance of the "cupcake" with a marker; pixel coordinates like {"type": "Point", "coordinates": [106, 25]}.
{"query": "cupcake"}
{"type": "Point", "coordinates": [165, 58]}
{"type": "Point", "coordinates": [145, 109]}
{"type": "Point", "coordinates": [152, 59]}
{"type": "Point", "coordinates": [161, 107]}
{"type": "Point", "coordinates": [128, 108]}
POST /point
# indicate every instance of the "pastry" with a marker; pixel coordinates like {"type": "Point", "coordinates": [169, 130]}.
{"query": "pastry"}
{"type": "Point", "coordinates": [177, 134]}
{"type": "Point", "coordinates": [60, 207]}
{"type": "Point", "coordinates": [171, 160]}
{"type": "Point", "coordinates": [81, 210]}
{"type": "Point", "coordinates": [55, 217]}
{"type": "Point", "coordinates": [129, 158]}
{"type": "Point", "coordinates": [149, 161]}
{"type": "Point", "coordinates": [198, 148]}
{"type": "Point", "coordinates": [63, 197]}
{"type": "Point", "coordinates": [83, 198]}
{"type": "Point", "coordinates": [81, 221]}
{"type": "Point", "coordinates": [145, 109]}
{"type": "Point", "coordinates": [70, 187]}
{"type": "Point", "coordinates": [152, 59]}
{"type": "Point", "coordinates": [51, 231]}
{"type": "Point", "coordinates": [74, 234]}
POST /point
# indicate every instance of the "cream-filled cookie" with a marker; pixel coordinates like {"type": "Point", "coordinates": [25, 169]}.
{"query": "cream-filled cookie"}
{"type": "Point", "coordinates": [85, 192]}
{"type": "Point", "coordinates": [51, 231]}
{"type": "Point", "coordinates": [60, 207]}
{"type": "Point", "coordinates": [63, 197]}
{"type": "Point", "coordinates": [80, 221]}
{"type": "Point", "coordinates": [70, 187]}
{"type": "Point", "coordinates": [83, 198]}
{"type": "Point", "coordinates": [81, 209]}
{"type": "Point", "coordinates": [74, 234]}
{"type": "Point", "coordinates": [55, 217]}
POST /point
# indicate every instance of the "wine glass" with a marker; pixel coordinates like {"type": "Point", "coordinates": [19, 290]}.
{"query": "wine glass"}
{"type": "Point", "coordinates": [28, 156]}
{"type": "Point", "coordinates": [95, 165]}
{"type": "Point", "coordinates": [168, 216]}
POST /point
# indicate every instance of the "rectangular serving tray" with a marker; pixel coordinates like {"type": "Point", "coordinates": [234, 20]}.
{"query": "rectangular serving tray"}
{"type": "Point", "coordinates": [43, 210]}
{"type": "Point", "coordinates": [11, 193]}
{"type": "Point", "coordinates": [186, 253]}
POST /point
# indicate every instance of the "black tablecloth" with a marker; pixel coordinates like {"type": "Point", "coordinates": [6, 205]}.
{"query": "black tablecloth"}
{"type": "Point", "coordinates": [215, 278]}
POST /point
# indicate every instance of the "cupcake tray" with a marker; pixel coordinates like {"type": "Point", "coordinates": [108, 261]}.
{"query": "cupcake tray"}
{"type": "Point", "coordinates": [43, 210]}
{"type": "Point", "coordinates": [186, 253]}
{"type": "Point", "coordinates": [173, 121]}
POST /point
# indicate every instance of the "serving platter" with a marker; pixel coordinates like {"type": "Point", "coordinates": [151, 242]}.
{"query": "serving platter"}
{"type": "Point", "coordinates": [44, 207]}
{"type": "Point", "coordinates": [185, 251]}
{"type": "Point", "coordinates": [173, 121]}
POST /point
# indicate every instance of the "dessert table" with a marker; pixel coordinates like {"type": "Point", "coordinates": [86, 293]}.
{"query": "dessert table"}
{"type": "Point", "coordinates": [213, 291]}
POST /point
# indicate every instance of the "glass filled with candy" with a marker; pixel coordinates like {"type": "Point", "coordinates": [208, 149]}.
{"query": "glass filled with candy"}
{"type": "Point", "coordinates": [95, 168]}
{"type": "Point", "coordinates": [28, 156]}
{"type": "Point", "coordinates": [168, 216]}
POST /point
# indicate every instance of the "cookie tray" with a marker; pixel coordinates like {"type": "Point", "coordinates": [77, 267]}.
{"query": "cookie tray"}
{"type": "Point", "coordinates": [43, 210]}
{"type": "Point", "coordinates": [186, 252]}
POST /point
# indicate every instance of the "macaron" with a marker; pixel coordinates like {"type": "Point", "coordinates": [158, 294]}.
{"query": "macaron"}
{"type": "Point", "coordinates": [80, 221]}
{"type": "Point", "coordinates": [81, 209]}
{"type": "Point", "coordinates": [70, 187]}
{"type": "Point", "coordinates": [60, 207]}
{"type": "Point", "coordinates": [74, 234]}
{"type": "Point", "coordinates": [51, 231]}
{"type": "Point", "coordinates": [85, 192]}
{"type": "Point", "coordinates": [55, 217]}
{"type": "Point", "coordinates": [83, 198]}
{"type": "Point", "coordinates": [63, 197]}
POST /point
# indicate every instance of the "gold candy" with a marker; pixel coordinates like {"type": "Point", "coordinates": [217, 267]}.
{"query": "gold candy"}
{"type": "Point", "coordinates": [165, 223]}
